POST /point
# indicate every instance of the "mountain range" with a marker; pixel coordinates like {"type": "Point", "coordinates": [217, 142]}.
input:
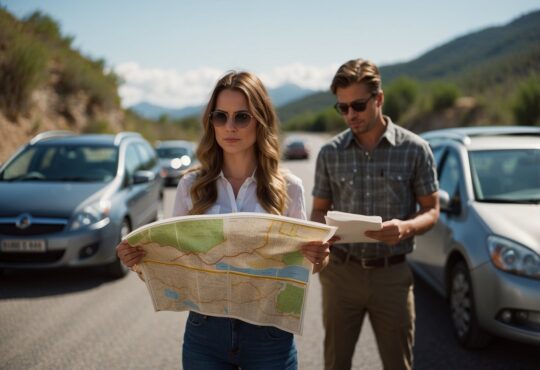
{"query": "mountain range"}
{"type": "Point", "coordinates": [280, 96]}
{"type": "Point", "coordinates": [492, 59]}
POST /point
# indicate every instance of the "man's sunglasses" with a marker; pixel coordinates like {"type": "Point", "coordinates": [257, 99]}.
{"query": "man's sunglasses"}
{"type": "Point", "coordinates": [357, 105]}
{"type": "Point", "coordinates": [241, 119]}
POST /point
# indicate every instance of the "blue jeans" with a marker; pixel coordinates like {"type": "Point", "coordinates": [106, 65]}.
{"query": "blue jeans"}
{"type": "Point", "coordinates": [212, 343]}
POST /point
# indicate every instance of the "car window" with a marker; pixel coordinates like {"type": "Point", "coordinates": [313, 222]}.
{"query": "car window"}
{"type": "Point", "coordinates": [506, 175]}
{"type": "Point", "coordinates": [176, 152]}
{"type": "Point", "coordinates": [449, 174]}
{"type": "Point", "coordinates": [437, 154]}
{"type": "Point", "coordinates": [64, 163]}
{"type": "Point", "coordinates": [20, 165]}
{"type": "Point", "coordinates": [133, 161]}
{"type": "Point", "coordinates": [147, 156]}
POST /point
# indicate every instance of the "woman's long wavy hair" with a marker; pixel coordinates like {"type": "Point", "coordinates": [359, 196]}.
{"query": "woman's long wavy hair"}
{"type": "Point", "coordinates": [271, 184]}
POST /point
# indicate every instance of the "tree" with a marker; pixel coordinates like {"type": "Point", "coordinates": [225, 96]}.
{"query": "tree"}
{"type": "Point", "coordinates": [443, 95]}
{"type": "Point", "coordinates": [399, 97]}
{"type": "Point", "coordinates": [526, 107]}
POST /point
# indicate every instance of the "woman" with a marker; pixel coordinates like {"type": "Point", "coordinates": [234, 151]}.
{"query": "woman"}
{"type": "Point", "coordinates": [238, 172]}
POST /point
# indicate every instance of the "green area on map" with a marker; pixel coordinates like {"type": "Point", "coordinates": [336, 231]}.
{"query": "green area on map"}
{"type": "Point", "coordinates": [197, 236]}
{"type": "Point", "coordinates": [290, 299]}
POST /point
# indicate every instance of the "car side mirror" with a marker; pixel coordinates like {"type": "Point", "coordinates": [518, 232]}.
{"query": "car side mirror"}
{"type": "Point", "coordinates": [449, 205]}
{"type": "Point", "coordinates": [141, 177]}
{"type": "Point", "coordinates": [444, 200]}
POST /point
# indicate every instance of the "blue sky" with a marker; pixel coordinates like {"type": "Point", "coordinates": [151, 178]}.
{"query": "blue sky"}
{"type": "Point", "coordinates": [170, 52]}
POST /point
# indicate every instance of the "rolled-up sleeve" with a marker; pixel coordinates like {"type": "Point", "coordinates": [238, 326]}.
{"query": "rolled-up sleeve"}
{"type": "Point", "coordinates": [297, 203]}
{"type": "Point", "coordinates": [425, 181]}
{"type": "Point", "coordinates": [321, 188]}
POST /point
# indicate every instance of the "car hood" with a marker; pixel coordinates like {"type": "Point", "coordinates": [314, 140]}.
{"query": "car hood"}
{"type": "Point", "coordinates": [46, 199]}
{"type": "Point", "coordinates": [517, 222]}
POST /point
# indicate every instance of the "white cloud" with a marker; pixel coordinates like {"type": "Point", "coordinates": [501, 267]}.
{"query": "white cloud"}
{"type": "Point", "coordinates": [165, 87]}
{"type": "Point", "coordinates": [309, 77]}
{"type": "Point", "coordinates": [170, 88]}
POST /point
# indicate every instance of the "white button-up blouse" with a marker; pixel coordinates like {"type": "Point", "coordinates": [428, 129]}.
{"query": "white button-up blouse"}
{"type": "Point", "coordinates": [246, 201]}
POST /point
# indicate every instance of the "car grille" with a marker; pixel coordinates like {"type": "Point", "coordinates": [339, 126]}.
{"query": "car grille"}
{"type": "Point", "coordinates": [34, 229]}
{"type": "Point", "coordinates": [50, 256]}
{"type": "Point", "coordinates": [28, 225]}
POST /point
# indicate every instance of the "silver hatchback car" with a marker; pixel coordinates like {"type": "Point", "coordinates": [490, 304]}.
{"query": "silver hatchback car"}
{"type": "Point", "coordinates": [66, 200]}
{"type": "Point", "coordinates": [484, 252]}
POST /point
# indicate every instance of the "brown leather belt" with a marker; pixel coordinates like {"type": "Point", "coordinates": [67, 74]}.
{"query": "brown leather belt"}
{"type": "Point", "coordinates": [369, 263]}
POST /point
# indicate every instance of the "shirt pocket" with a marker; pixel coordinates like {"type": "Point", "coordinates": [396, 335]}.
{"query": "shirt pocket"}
{"type": "Point", "coordinates": [348, 185]}
{"type": "Point", "coordinates": [398, 187]}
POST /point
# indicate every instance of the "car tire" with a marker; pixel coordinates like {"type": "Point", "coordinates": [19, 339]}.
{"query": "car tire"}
{"type": "Point", "coordinates": [117, 269]}
{"type": "Point", "coordinates": [462, 309]}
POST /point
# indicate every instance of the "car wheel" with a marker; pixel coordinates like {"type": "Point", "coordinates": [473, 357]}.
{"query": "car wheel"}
{"type": "Point", "coordinates": [462, 308]}
{"type": "Point", "coordinates": [117, 269]}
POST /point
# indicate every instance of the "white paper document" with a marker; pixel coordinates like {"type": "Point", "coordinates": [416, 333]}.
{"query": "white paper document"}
{"type": "Point", "coordinates": [351, 227]}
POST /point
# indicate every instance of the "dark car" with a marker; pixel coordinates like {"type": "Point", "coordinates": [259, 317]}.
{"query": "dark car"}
{"type": "Point", "coordinates": [66, 200]}
{"type": "Point", "coordinates": [483, 254]}
{"type": "Point", "coordinates": [175, 157]}
{"type": "Point", "coordinates": [296, 149]}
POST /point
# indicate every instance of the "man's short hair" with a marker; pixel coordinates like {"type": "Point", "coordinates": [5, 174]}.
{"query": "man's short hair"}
{"type": "Point", "coordinates": [357, 71]}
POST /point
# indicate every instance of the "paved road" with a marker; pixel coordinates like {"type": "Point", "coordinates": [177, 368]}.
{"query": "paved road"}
{"type": "Point", "coordinates": [77, 319]}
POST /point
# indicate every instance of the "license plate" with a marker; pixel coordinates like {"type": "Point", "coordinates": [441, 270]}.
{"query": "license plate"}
{"type": "Point", "coordinates": [23, 246]}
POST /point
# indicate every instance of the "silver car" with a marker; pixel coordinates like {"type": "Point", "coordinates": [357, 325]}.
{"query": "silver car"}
{"type": "Point", "coordinates": [66, 200]}
{"type": "Point", "coordinates": [484, 252]}
{"type": "Point", "coordinates": [175, 157]}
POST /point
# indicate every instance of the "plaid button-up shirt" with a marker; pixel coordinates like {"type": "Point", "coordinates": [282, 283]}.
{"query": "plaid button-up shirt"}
{"type": "Point", "coordinates": [384, 182]}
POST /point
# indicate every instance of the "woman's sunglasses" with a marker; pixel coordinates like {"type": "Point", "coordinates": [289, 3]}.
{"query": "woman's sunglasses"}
{"type": "Point", "coordinates": [357, 105]}
{"type": "Point", "coordinates": [240, 119]}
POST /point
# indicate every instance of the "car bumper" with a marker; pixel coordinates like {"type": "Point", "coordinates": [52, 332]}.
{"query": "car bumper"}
{"type": "Point", "coordinates": [91, 246]}
{"type": "Point", "coordinates": [504, 291]}
{"type": "Point", "coordinates": [171, 176]}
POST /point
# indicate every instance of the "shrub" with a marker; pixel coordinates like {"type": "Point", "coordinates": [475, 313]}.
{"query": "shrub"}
{"type": "Point", "coordinates": [399, 97]}
{"type": "Point", "coordinates": [82, 75]}
{"type": "Point", "coordinates": [443, 95]}
{"type": "Point", "coordinates": [526, 106]}
{"type": "Point", "coordinates": [97, 127]}
{"type": "Point", "coordinates": [21, 71]}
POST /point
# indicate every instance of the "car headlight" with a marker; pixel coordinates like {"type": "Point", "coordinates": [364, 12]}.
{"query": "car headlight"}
{"type": "Point", "coordinates": [184, 160]}
{"type": "Point", "coordinates": [91, 214]}
{"type": "Point", "coordinates": [514, 258]}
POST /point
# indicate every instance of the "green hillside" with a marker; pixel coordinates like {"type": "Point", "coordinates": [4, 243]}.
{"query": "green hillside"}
{"type": "Point", "coordinates": [35, 54]}
{"type": "Point", "coordinates": [47, 84]}
{"type": "Point", "coordinates": [492, 66]}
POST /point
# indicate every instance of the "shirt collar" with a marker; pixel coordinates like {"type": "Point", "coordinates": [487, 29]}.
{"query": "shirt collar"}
{"type": "Point", "coordinates": [252, 178]}
{"type": "Point", "coordinates": [389, 134]}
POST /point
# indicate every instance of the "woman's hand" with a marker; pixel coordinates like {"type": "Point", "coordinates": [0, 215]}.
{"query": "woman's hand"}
{"type": "Point", "coordinates": [129, 255]}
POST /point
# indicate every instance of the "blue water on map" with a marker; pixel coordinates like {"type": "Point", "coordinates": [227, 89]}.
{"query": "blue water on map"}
{"type": "Point", "coordinates": [169, 293]}
{"type": "Point", "coordinates": [191, 304]}
{"type": "Point", "coordinates": [291, 272]}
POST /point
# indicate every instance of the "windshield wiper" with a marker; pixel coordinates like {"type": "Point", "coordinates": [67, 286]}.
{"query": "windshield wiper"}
{"type": "Point", "coordinates": [26, 178]}
{"type": "Point", "coordinates": [75, 179]}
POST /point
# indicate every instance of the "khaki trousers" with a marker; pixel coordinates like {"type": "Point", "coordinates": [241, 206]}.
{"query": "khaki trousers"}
{"type": "Point", "coordinates": [386, 294]}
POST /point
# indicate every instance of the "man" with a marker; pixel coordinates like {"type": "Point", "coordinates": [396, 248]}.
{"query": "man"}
{"type": "Point", "coordinates": [373, 168]}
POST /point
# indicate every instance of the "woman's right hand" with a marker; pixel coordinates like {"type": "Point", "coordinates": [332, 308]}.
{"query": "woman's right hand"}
{"type": "Point", "coordinates": [129, 255]}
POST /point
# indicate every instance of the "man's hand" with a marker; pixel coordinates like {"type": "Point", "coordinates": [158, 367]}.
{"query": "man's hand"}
{"type": "Point", "coordinates": [318, 252]}
{"type": "Point", "coordinates": [392, 232]}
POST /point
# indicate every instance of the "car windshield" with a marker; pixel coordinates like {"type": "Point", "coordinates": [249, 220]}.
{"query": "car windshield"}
{"type": "Point", "coordinates": [63, 163]}
{"type": "Point", "coordinates": [296, 145]}
{"type": "Point", "coordinates": [506, 176]}
{"type": "Point", "coordinates": [175, 152]}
